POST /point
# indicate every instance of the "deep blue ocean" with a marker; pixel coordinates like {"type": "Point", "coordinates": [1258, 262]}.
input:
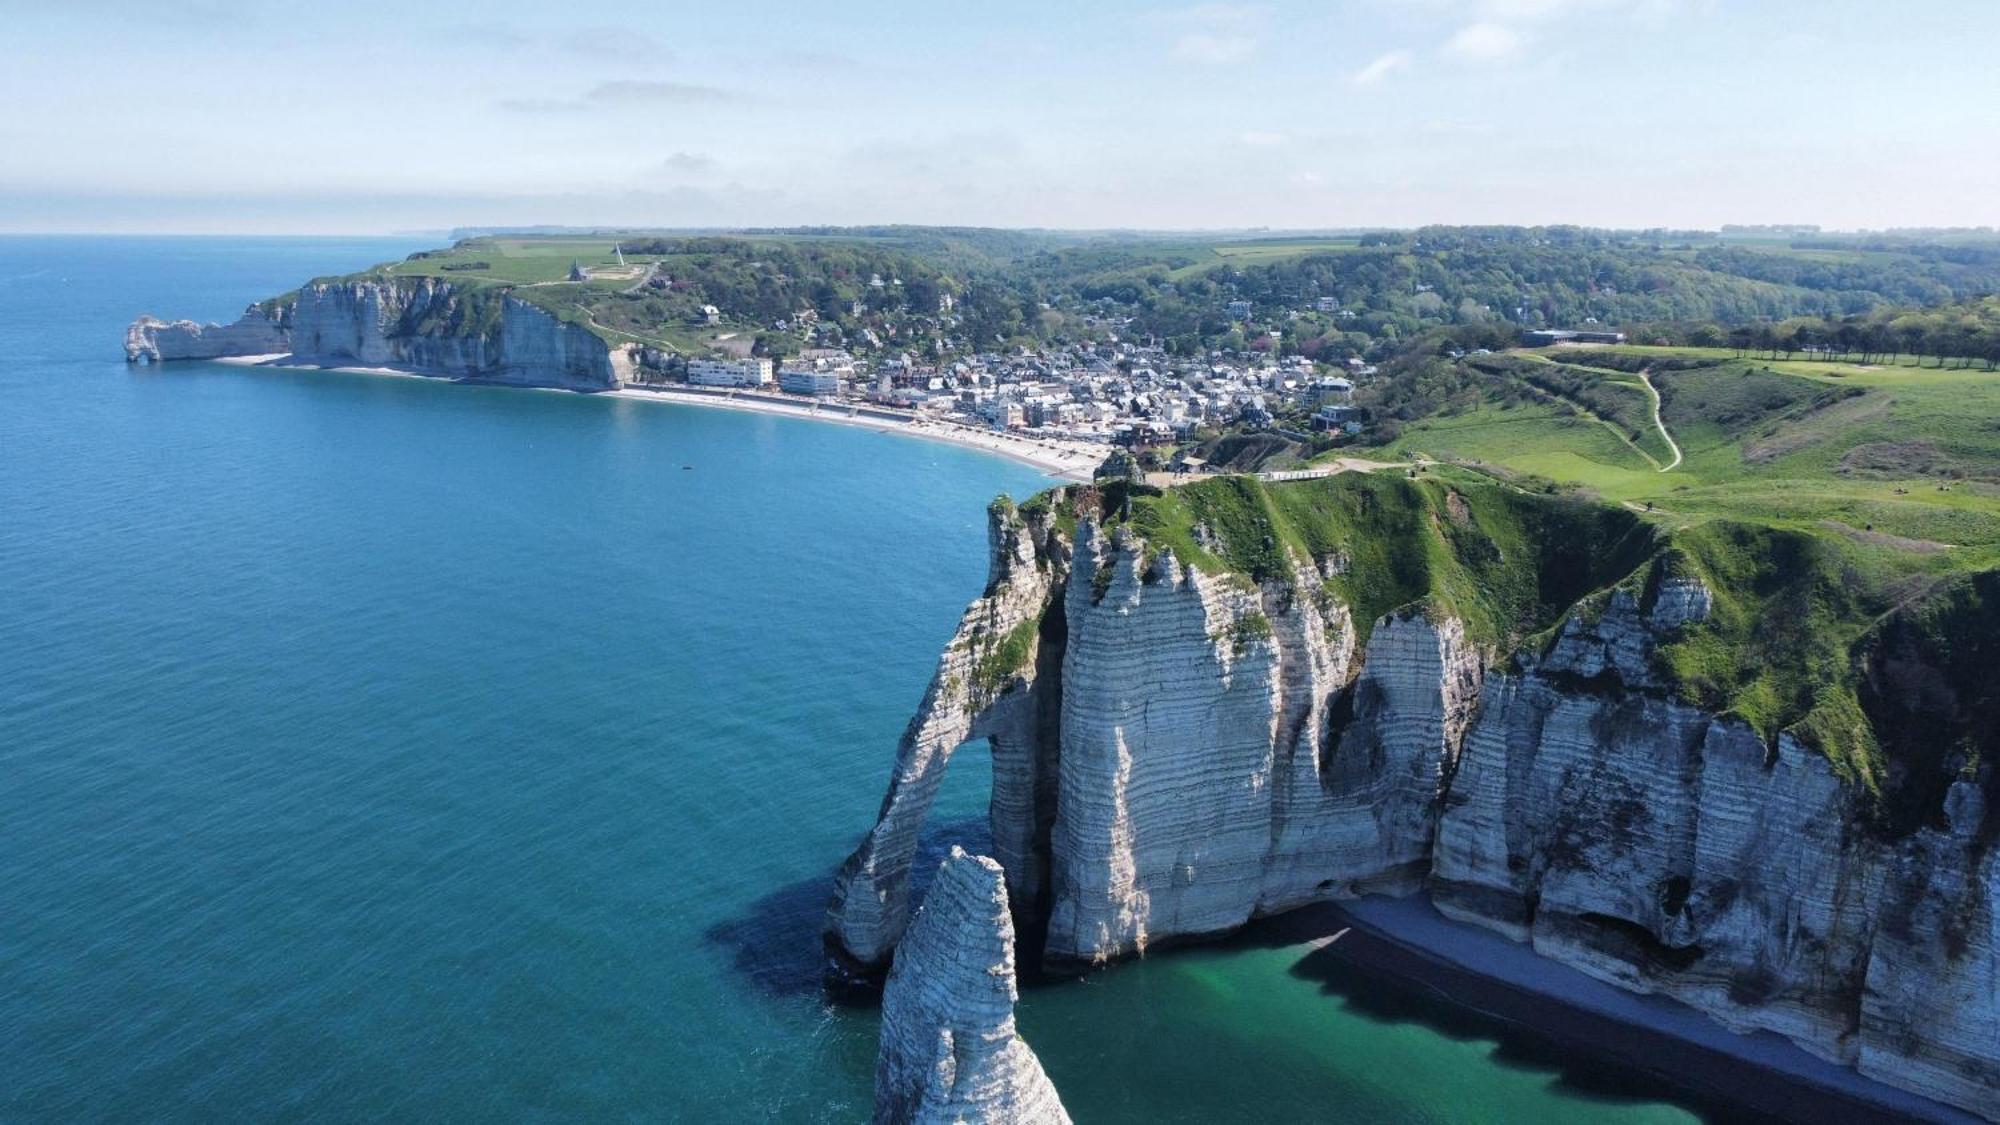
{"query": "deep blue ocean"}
{"type": "Point", "coordinates": [385, 749]}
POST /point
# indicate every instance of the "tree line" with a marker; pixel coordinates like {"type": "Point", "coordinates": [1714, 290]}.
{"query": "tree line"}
{"type": "Point", "coordinates": [1959, 334]}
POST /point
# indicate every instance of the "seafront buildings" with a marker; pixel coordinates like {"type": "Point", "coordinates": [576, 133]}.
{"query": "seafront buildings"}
{"type": "Point", "coordinates": [754, 371]}
{"type": "Point", "coordinates": [1115, 392]}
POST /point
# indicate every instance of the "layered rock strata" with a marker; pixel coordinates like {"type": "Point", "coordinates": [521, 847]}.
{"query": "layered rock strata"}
{"type": "Point", "coordinates": [987, 685]}
{"type": "Point", "coordinates": [423, 325]}
{"type": "Point", "coordinates": [949, 1050]}
{"type": "Point", "coordinates": [259, 331]}
{"type": "Point", "coordinates": [1221, 748]}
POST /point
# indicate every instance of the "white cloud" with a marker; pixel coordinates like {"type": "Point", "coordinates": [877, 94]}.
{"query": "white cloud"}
{"type": "Point", "coordinates": [689, 163]}
{"type": "Point", "coordinates": [620, 95]}
{"type": "Point", "coordinates": [1483, 42]}
{"type": "Point", "coordinates": [1532, 9]}
{"type": "Point", "coordinates": [1262, 139]}
{"type": "Point", "coordinates": [1516, 12]}
{"type": "Point", "coordinates": [1218, 34]}
{"type": "Point", "coordinates": [601, 44]}
{"type": "Point", "coordinates": [1381, 68]}
{"type": "Point", "coordinates": [1203, 47]}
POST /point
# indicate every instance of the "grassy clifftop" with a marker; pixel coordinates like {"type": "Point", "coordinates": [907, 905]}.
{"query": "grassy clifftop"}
{"type": "Point", "coordinates": [1811, 633]}
{"type": "Point", "coordinates": [1508, 564]}
{"type": "Point", "coordinates": [655, 289]}
{"type": "Point", "coordinates": [1901, 453]}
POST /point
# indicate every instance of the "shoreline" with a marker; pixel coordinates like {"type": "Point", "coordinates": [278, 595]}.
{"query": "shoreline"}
{"type": "Point", "coordinates": [1067, 461]}
{"type": "Point", "coordinates": [1482, 972]}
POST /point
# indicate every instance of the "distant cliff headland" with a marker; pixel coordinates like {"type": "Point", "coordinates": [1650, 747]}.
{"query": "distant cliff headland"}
{"type": "Point", "coordinates": [1748, 767]}
{"type": "Point", "coordinates": [418, 324]}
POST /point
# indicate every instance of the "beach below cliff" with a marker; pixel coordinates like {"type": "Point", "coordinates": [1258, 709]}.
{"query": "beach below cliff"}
{"type": "Point", "coordinates": [1475, 969]}
{"type": "Point", "coordinates": [1065, 460]}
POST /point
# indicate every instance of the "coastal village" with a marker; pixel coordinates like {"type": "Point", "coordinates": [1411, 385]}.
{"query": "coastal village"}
{"type": "Point", "coordinates": [1079, 399]}
{"type": "Point", "coordinates": [1115, 393]}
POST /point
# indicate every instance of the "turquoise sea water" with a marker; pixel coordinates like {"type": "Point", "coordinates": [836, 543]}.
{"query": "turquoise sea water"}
{"type": "Point", "coordinates": [377, 748]}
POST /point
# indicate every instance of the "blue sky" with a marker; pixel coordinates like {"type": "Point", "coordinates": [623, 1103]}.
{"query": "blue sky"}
{"type": "Point", "coordinates": [184, 115]}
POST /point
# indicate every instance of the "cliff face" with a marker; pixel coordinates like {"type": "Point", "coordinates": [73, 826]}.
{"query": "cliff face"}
{"type": "Point", "coordinates": [259, 331]}
{"type": "Point", "coordinates": [949, 1049]}
{"type": "Point", "coordinates": [1671, 851]}
{"type": "Point", "coordinates": [988, 684]}
{"type": "Point", "coordinates": [422, 325]}
{"type": "Point", "coordinates": [436, 327]}
{"type": "Point", "coordinates": [1219, 758]}
{"type": "Point", "coordinates": [1656, 846]}
{"type": "Point", "coordinates": [1223, 747]}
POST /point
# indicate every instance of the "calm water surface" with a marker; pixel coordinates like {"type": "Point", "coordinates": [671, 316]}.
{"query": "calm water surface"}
{"type": "Point", "coordinates": [379, 748]}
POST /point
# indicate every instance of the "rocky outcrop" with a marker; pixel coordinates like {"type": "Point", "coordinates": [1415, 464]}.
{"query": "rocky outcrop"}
{"type": "Point", "coordinates": [1930, 1004]}
{"type": "Point", "coordinates": [422, 325]}
{"type": "Point", "coordinates": [1193, 792]}
{"type": "Point", "coordinates": [261, 330]}
{"type": "Point", "coordinates": [436, 327]}
{"type": "Point", "coordinates": [950, 1051]}
{"type": "Point", "coordinates": [1222, 748]}
{"type": "Point", "coordinates": [1217, 757]}
{"type": "Point", "coordinates": [990, 684]}
{"type": "Point", "coordinates": [1656, 846]}
{"type": "Point", "coordinates": [1670, 851]}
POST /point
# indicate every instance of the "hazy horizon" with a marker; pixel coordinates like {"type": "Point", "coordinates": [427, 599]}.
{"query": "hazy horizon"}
{"type": "Point", "coordinates": [190, 117]}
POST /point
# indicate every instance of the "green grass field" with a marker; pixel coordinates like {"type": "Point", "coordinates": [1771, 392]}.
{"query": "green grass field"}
{"type": "Point", "coordinates": [512, 261]}
{"type": "Point", "coordinates": [1208, 256]}
{"type": "Point", "coordinates": [1902, 458]}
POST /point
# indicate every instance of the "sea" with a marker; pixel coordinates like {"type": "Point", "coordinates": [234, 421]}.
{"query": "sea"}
{"type": "Point", "coordinates": [379, 748]}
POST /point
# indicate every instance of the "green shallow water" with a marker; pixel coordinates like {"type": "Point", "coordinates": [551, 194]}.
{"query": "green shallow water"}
{"type": "Point", "coordinates": [384, 749]}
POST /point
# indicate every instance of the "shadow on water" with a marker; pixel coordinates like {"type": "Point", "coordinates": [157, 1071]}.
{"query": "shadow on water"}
{"type": "Point", "coordinates": [776, 943]}
{"type": "Point", "coordinates": [1590, 1056]}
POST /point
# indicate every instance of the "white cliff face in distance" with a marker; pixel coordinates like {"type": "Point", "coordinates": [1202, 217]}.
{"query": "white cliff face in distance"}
{"type": "Point", "coordinates": [950, 1051]}
{"type": "Point", "coordinates": [258, 331]}
{"type": "Point", "coordinates": [421, 325]}
{"type": "Point", "coordinates": [1185, 751]}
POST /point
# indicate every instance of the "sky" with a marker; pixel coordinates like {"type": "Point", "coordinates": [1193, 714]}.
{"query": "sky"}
{"type": "Point", "coordinates": [357, 116]}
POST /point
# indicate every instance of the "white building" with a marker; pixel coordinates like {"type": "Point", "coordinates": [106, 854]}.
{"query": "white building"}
{"type": "Point", "coordinates": [802, 382]}
{"type": "Point", "coordinates": [754, 371]}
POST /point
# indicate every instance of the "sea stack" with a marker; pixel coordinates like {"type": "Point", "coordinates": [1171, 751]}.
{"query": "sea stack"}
{"type": "Point", "coordinates": [950, 1052]}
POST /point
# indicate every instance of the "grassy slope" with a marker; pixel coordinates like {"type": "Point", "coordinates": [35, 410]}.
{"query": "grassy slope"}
{"type": "Point", "coordinates": [1508, 563]}
{"type": "Point", "coordinates": [1890, 452]}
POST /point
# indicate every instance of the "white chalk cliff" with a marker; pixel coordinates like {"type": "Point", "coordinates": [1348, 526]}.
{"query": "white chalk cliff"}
{"type": "Point", "coordinates": [1182, 751]}
{"type": "Point", "coordinates": [259, 331]}
{"type": "Point", "coordinates": [950, 1051]}
{"type": "Point", "coordinates": [984, 687]}
{"type": "Point", "coordinates": [422, 325]}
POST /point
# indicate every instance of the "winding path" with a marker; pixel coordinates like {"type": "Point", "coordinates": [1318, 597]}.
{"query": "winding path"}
{"type": "Point", "coordinates": [1653, 393]}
